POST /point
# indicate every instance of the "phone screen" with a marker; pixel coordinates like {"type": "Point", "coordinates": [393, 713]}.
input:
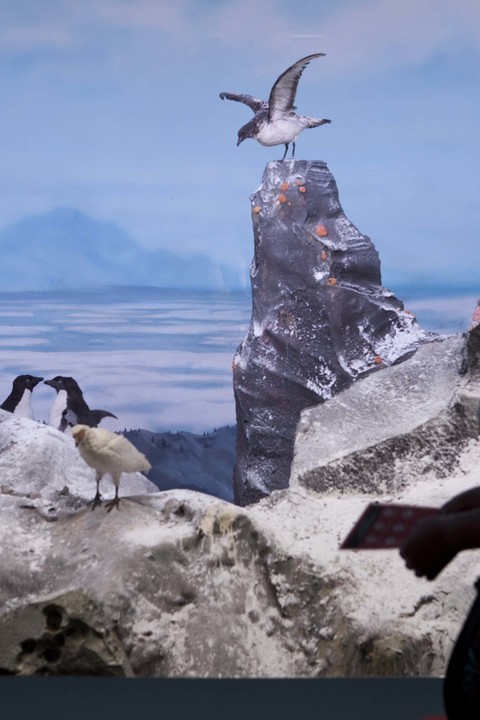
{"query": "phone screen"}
{"type": "Point", "coordinates": [383, 526]}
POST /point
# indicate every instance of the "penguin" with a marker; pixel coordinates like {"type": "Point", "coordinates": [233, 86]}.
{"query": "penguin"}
{"type": "Point", "coordinates": [69, 407]}
{"type": "Point", "coordinates": [19, 400]}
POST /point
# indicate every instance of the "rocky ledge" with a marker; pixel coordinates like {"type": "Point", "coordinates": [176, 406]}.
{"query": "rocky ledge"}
{"type": "Point", "coordinates": [178, 583]}
{"type": "Point", "coordinates": [320, 319]}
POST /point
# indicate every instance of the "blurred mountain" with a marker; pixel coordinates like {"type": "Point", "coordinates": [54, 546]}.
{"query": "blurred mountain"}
{"type": "Point", "coordinates": [190, 462]}
{"type": "Point", "coordinates": [67, 249]}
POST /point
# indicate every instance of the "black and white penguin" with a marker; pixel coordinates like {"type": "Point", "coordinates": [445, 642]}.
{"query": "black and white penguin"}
{"type": "Point", "coordinates": [69, 407]}
{"type": "Point", "coordinates": [19, 400]}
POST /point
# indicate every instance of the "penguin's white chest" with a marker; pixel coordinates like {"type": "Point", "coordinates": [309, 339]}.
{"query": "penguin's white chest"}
{"type": "Point", "coordinates": [59, 405]}
{"type": "Point", "coordinates": [24, 407]}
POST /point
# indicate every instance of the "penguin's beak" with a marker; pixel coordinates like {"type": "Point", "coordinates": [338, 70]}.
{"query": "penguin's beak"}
{"type": "Point", "coordinates": [240, 140]}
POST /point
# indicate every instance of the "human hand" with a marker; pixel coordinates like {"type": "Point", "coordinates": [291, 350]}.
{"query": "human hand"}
{"type": "Point", "coordinates": [431, 545]}
{"type": "Point", "coordinates": [467, 500]}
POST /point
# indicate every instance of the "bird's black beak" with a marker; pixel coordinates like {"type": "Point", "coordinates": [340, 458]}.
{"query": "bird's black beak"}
{"type": "Point", "coordinates": [49, 382]}
{"type": "Point", "coordinates": [240, 140]}
{"type": "Point", "coordinates": [37, 380]}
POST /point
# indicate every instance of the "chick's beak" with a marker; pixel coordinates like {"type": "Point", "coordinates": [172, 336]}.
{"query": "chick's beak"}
{"type": "Point", "coordinates": [78, 434]}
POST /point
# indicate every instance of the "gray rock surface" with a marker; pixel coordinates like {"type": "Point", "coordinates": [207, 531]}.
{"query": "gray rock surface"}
{"type": "Point", "coordinates": [63, 634]}
{"type": "Point", "coordinates": [407, 421]}
{"type": "Point", "coordinates": [179, 583]}
{"type": "Point", "coordinates": [320, 319]}
{"type": "Point", "coordinates": [54, 470]}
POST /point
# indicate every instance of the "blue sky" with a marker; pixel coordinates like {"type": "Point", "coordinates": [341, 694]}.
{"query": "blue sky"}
{"type": "Point", "coordinates": [112, 107]}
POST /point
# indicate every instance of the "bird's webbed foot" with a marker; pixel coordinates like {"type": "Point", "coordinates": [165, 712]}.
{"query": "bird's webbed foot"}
{"type": "Point", "coordinates": [113, 503]}
{"type": "Point", "coordinates": [97, 500]}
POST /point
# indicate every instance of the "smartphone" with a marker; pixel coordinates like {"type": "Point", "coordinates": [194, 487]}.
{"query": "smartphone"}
{"type": "Point", "coordinates": [382, 526]}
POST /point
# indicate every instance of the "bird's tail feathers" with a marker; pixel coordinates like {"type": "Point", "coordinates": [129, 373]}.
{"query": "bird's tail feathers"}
{"type": "Point", "coordinates": [147, 466]}
{"type": "Point", "coordinates": [315, 122]}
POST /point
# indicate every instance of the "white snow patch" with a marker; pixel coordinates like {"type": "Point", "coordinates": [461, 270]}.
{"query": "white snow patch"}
{"type": "Point", "coordinates": [320, 390]}
{"type": "Point", "coordinates": [320, 275]}
{"type": "Point", "coordinates": [258, 328]}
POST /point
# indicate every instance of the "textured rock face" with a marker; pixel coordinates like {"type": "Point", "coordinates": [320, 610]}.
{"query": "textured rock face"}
{"type": "Point", "coordinates": [181, 584]}
{"type": "Point", "coordinates": [320, 319]}
{"type": "Point", "coordinates": [63, 634]}
{"type": "Point", "coordinates": [403, 423]}
{"type": "Point", "coordinates": [412, 421]}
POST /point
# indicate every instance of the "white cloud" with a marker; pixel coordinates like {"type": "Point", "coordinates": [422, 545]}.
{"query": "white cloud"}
{"type": "Point", "coordinates": [169, 16]}
{"type": "Point", "coordinates": [358, 35]}
{"type": "Point", "coordinates": [384, 34]}
{"type": "Point", "coordinates": [20, 38]}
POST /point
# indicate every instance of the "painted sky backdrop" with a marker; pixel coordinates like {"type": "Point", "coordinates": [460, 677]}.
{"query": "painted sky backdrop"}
{"type": "Point", "coordinates": [111, 107]}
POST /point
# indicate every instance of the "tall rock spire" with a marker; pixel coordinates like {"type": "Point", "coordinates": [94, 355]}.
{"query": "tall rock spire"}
{"type": "Point", "coordinates": [320, 318]}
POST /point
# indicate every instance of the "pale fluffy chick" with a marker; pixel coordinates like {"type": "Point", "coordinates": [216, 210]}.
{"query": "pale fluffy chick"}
{"type": "Point", "coordinates": [108, 453]}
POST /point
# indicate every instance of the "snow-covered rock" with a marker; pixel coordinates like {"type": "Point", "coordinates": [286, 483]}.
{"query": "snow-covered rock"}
{"type": "Point", "coordinates": [391, 428]}
{"type": "Point", "coordinates": [38, 461]}
{"type": "Point", "coordinates": [179, 583]}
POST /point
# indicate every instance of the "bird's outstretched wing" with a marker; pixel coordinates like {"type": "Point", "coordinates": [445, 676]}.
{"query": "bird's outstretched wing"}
{"type": "Point", "coordinates": [100, 414]}
{"type": "Point", "coordinates": [282, 95]}
{"type": "Point", "coordinates": [253, 103]}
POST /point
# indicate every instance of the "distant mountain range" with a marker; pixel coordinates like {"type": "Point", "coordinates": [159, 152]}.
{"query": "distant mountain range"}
{"type": "Point", "coordinates": [66, 249]}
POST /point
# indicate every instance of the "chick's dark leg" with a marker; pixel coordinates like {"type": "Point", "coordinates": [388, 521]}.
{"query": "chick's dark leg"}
{"type": "Point", "coordinates": [285, 153]}
{"type": "Point", "coordinates": [293, 149]}
{"type": "Point", "coordinates": [115, 501]}
{"type": "Point", "coordinates": [97, 500]}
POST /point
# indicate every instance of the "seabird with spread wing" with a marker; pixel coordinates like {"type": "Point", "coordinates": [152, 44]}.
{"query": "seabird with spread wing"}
{"type": "Point", "coordinates": [276, 122]}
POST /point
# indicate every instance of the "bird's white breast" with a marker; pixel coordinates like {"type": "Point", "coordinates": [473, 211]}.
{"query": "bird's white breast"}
{"type": "Point", "coordinates": [284, 130]}
{"type": "Point", "coordinates": [24, 407]}
{"type": "Point", "coordinates": [58, 406]}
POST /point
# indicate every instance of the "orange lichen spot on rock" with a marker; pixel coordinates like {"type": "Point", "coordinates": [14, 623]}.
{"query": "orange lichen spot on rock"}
{"type": "Point", "coordinates": [257, 209]}
{"type": "Point", "coordinates": [302, 188]}
{"type": "Point", "coordinates": [324, 255]}
{"type": "Point", "coordinates": [284, 187]}
{"type": "Point", "coordinates": [378, 360]}
{"type": "Point", "coordinates": [282, 198]}
{"type": "Point", "coordinates": [321, 231]}
{"type": "Point", "coordinates": [332, 280]}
